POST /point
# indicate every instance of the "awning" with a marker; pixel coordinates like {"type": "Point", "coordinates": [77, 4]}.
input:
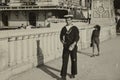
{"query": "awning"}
{"type": "Point", "coordinates": [35, 7]}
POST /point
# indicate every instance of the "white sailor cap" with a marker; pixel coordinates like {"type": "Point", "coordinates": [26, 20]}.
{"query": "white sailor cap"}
{"type": "Point", "coordinates": [68, 16]}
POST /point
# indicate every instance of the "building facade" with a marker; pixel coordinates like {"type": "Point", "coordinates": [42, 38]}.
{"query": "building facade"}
{"type": "Point", "coordinates": [14, 13]}
{"type": "Point", "coordinates": [35, 12]}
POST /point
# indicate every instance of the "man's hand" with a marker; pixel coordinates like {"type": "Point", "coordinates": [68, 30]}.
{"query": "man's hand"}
{"type": "Point", "coordinates": [72, 46]}
{"type": "Point", "coordinates": [63, 41]}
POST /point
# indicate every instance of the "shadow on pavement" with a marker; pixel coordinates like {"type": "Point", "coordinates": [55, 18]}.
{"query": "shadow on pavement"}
{"type": "Point", "coordinates": [84, 53]}
{"type": "Point", "coordinates": [46, 68]}
{"type": "Point", "coordinates": [55, 69]}
{"type": "Point", "coordinates": [42, 66]}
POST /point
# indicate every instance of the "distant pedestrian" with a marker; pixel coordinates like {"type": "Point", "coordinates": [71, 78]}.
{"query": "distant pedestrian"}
{"type": "Point", "coordinates": [89, 19]}
{"type": "Point", "coordinates": [95, 41]}
{"type": "Point", "coordinates": [69, 37]}
{"type": "Point", "coordinates": [22, 26]}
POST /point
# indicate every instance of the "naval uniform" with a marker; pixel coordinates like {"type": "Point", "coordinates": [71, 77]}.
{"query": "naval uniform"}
{"type": "Point", "coordinates": [68, 37]}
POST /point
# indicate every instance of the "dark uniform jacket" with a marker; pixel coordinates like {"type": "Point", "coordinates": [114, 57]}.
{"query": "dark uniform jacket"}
{"type": "Point", "coordinates": [70, 36]}
{"type": "Point", "coordinates": [95, 36]}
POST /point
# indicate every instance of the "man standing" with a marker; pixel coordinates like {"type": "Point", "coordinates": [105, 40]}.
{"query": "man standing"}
{"type": "Point", "coordinates": [69, 37]}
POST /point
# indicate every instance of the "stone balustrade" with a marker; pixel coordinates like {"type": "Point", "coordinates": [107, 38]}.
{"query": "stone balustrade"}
{"type": "Point", "coordinates": [21, 50]}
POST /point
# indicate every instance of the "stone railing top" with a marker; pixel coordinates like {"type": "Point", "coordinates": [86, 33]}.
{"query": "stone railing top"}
{"type": "Point", "coordinates": [24, 32]}
{"type": "Point", "coordinates": [56, 20]}
{"type": "Point", "coordinates": [38, 31]}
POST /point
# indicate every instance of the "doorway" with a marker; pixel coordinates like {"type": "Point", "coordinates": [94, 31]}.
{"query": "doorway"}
{"type": "Point", "coordinates": [32, 18]}
{"type": "Point", "coordinates": [4, 19]}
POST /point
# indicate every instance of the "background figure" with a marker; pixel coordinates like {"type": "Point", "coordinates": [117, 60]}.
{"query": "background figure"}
{"type": "Point", "coordinates": [118, 26]}
{"type": "Point", "coordinates": [89, 19]}
{"type": "Point", "coordinates": [69, 37]}
{"type": "Point", "coordinates": [95, 41]}
{"type": "Point", "coordinates": [22, 26]}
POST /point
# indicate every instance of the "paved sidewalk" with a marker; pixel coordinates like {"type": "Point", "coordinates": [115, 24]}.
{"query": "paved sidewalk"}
{"type": "Point", "coordinates": [104, 67]}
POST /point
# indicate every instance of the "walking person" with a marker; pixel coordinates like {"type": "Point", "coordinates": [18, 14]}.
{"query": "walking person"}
{"type": "Point", "coordinates": [69, 37]}
{"type": "Point", "coordinates": [95, 41]}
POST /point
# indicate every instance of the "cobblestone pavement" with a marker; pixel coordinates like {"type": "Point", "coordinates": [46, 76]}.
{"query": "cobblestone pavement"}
{"type": "Point", "coordinates": [103, 67]}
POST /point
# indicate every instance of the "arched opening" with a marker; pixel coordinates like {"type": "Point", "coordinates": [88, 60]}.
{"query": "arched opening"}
{"type": "Point", "coordinates": [4, 19]}
{"type": "Point", "coordinates": [32, 18]}
{"type": "Point", "coordinates": [4, 2]}
{"type": "Point", "coordinates": [60, 13]}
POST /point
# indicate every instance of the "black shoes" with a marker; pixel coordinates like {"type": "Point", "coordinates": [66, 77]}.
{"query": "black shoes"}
{"type": "Point", "coordinates": [72, 76]}
{"type": "Point", "coordinates": [93, 55]}
{"type": "Point", "coordinates": [97, 54]}
{"type": "Point", "coordinates": [63, 78]}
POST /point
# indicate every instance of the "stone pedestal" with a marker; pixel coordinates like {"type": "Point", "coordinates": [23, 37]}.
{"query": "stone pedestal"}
{"type": "Point", "coordinates": [102, 11]}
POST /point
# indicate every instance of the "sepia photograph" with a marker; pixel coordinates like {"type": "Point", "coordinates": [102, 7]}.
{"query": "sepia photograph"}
{"type": "Point", "coordinates": [59, 39]}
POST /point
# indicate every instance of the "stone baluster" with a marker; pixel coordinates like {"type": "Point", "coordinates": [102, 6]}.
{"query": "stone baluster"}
{"type": "Point", "coordinates": [60, 45]}
{"type": "Point", "coordinates": [12, 51]}
{"type": "Point", "coordinates": [83, 35]}
{"type": "Point", "coordinates": [56, 46]}
{"type": "Point", "coordinates": [30, 47]}
{"type": "Point", "coordinates": [88, 38]}
{"type": "Point", "coordinates": [80, 41]}
{"type": "Point", "coordinates": [49, 44]}
{"type": "Point", "coordinates": [4, 54]}
{"type": "Point", "coordinates": [35, 49]}
{"type": "Point", "coordinates": [45, 47]}
{"type": "Point", "coordinates": [25, 48]}
{"type": "Point", "coordinates": [52, 46]}
{"type": "Point", "coordinates": [41, 49]}
{"type": "Point", "coordinates": [90, 34]}
{"type": "Point", "coordinates": [19, 51]}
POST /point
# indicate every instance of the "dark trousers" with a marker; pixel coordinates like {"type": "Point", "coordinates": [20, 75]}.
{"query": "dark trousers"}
{"type": "Point", "coordinates": [97, 42]}
{"type": "Point", "coordinates": [65, 58]}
